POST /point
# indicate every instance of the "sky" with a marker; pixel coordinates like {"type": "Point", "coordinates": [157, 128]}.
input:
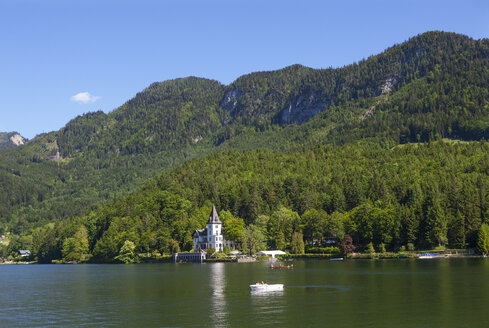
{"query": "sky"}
{"type": "Point", "coordinates": [63, 58]}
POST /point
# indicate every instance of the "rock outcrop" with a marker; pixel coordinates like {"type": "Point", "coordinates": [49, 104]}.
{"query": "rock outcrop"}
{"type": "Point", "coordinates": [301, 109]}
{"type": "Point", "coordinates": [11, 140]}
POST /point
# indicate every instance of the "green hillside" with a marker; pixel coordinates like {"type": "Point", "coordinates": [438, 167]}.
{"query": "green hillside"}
{"type": "Point", "coordinates": [432, 86]}
{"type": "Point", "coordinates": [423, 195]}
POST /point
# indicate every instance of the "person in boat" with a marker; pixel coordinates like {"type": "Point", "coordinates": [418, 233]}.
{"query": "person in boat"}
{"type": "Point", "coordinates": [262, 283]}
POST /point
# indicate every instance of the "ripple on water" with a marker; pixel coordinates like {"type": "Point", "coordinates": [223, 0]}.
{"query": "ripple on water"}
{"type": "Point", "coordinates": [336, 288]}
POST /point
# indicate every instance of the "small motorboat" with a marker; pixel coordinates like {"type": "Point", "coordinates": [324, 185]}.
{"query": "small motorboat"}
{"type": "Point", "coordinates": [266, 287]}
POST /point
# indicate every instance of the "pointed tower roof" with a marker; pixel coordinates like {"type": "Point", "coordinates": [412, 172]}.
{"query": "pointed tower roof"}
{"type": "Point", "coordinates": [214, 218]}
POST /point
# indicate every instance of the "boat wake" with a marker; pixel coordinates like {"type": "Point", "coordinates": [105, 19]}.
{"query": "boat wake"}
{"type": "Point", "coordinates": [340, 288]}
{"type": "Point", "coordinates": [327, 288]}
{"type": "Point", "coordinates": [267, 293]}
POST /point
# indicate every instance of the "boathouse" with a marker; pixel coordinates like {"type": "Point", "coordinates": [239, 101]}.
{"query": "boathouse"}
{"type": "Point", "coordinates": [190, 257]}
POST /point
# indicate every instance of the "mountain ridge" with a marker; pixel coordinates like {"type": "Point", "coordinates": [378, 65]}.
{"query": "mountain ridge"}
{"type": "Point", "coordinates": [98, 156]}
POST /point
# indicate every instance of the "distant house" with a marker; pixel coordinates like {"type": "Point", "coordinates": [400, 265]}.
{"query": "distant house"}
{"type": "Point", "coordinates": [212, 235]}
{"type": "Point", "coordinates": [24, 253]}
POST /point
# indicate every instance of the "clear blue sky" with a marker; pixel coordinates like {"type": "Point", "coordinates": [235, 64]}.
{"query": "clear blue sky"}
{"type": "Point", "coordinates": [62, 58]}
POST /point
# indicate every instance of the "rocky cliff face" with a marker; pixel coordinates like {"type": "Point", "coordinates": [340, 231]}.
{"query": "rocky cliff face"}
{"type": "Point", "coordinates": [301, 109]}
{"type": "Point", "coordinates": [11, 140]}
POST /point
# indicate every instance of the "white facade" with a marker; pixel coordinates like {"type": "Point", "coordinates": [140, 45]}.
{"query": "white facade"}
{"type": "Point", "coordinates": [211, 236]}
{"type": "Point", "coordinates": [214, 236]}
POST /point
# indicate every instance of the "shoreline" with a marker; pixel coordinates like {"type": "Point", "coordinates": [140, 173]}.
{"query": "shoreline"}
{"type": "Point", "coordinates": [289, 257]}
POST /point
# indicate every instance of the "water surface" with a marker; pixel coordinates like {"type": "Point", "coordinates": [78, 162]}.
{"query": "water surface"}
{"type": "Point", "coordinates": [358, 293]}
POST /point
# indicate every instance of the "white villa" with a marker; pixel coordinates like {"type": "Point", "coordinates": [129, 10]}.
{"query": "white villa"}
{"type": "Point", "coordinates": [212, 235]}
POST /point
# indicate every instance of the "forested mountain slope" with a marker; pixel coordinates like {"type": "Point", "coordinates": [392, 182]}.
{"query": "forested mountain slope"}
{"type": "Point", "coordinates": [423, 195]}
{"type": "Point", "coordinates": [432, 86]}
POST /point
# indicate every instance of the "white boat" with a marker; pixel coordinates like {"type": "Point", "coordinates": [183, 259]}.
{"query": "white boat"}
{"type": "Point", "coordinates": [266, 287]}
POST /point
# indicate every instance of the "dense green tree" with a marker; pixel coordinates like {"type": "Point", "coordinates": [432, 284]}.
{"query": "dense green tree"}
{"type": "Point", "coordinates": [261, 223]}
{"type": "Point", "coordinates": [233, 226]}
{"type": "Point", "coordinates": [46, 245]}
{"type": "Point", "coordinates": [282, 224]}
{"type": "Point", "coordinates": [81, 242]}
{"type": "Point", "coordinates": [313, 225]}
{"type": "Point", "coordinates": [333, 226]}
{"type": "Point", "coordinates": [409, 225]}
{"type": "Point", "coordinates": [435, 220]}
{"type": "Point", "coordinates": [370, 248]}
{"type": "Point", "coordinates": [173, 246]}
{"type": "Point", "coordinates": [297, 243]}
{"type": "Point", "coordinates": [68, 250]}
{"type": "Point", "coordinates": [456, 230]}
{"type": "Point", "coordinates": [253, 239]}
{"type": "Point", "coordinates": [127, 253]}
{"type": "Point", "coordinates": [483, 240]}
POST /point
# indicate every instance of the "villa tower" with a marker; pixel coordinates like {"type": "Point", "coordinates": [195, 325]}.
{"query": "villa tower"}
{"type": "Point", "coordinates": [214, 228]}
{"type": "Point", "coordinates": [212, 235]}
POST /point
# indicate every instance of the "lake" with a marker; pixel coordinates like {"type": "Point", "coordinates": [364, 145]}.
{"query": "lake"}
{"type": "Point", "coordinates": [354, 293]}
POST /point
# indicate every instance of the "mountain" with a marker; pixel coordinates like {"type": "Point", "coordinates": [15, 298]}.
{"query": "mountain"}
{"type": "Point", "coordinates": [11, 140]}
{"type": "Point", "coordinates": [433, 86]}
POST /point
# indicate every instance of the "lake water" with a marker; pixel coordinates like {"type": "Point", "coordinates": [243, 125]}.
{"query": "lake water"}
{"type": "Point", "coordinates": [358, 293]}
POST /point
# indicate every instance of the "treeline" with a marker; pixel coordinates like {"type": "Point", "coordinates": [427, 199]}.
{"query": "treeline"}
{"type": "Point", "coordinates": [416, 195]}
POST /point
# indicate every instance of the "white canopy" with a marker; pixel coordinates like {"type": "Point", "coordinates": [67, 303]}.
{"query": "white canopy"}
{"type": "Point", "coordinates": [271, 253]}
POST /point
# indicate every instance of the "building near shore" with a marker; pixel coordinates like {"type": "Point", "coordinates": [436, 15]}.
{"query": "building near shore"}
{"type": "Point", "coordinates": [271, 253]}
{"type": "Point", "coordinates": [24, 253]}
{"type": "Point", "coordinates": [212, 236]}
